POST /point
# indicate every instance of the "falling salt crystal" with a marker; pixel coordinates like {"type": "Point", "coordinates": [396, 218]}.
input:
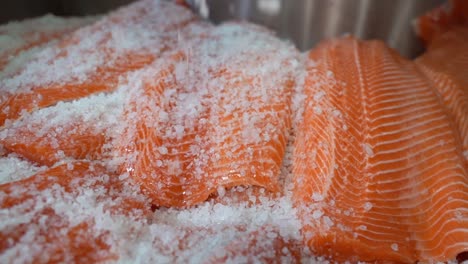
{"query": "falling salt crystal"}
{"type": "Point", "coordinates": [179, 130]}
{"type": "Point", "coordinates": [269, 7]}
{"type": "Point", "coordinates": [221, 191]}
{"type": "Point", "coordinates": [336, 113]}
{"type": "Point", "coordinates": [368, 149]}
{"type": "Point", "coordinates": [367, 206]}
{"type": "Point", "coordinates": [317, 110]}
{"type": "Point", "coordinates": [328, 221]}
{"type": "Point", "coordinates": [458, 215]}
{"type": "Point", "coordinates": [272, 235]}
{"type": "Point", "coordinates": [317, 197]}
{"type": "Point", "coordinates": [159, 163]}
{"type": "Point", "coordinates": [318, 96]}
{"type": "Point", "coordinates": [162, 150]}
{"type": "Point", "coordinates": [394, 247]}
{"type": "Point", "coordinates": [203, 9]}
{"type": "Point", "coordinates": [317, 214]}
{"type": "Point", "coordinates": [163, 116]}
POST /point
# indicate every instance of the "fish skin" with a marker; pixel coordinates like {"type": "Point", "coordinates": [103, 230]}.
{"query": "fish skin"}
{"type": "Point", "coordinates": [387, 170]}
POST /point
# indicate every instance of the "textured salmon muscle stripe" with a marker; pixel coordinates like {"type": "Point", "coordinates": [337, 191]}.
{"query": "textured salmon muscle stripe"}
{"type": "Point", "coordinates": [378, 166]}
{"type": "Point", "coordinates": [105, 62]}
{"type": "Point", "coordinates": [62, 185]}
{"type": "Point", "coordinates": [445, 63]}
{"type": "Point", "coordinates": [201, 122]}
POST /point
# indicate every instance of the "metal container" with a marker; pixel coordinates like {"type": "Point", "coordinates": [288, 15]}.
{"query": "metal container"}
{"type": "Point", "coordinates": [305, 22]}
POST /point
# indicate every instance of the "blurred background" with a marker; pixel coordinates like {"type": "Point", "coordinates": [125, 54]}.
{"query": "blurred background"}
{"type": "Point", "coordinates": [20, 9]}
{"type": "Point", "coordinates": [305, 22]}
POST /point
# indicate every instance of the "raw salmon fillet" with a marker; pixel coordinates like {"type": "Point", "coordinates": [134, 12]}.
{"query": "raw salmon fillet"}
{"type": "Point", "coordinates": [215, 114]}
{"type": "Point", "coordinates": [439, 20]}
{"type": "Point", "coordinates": [445, 63]}
{"type": "Point", "coordinates": [69, 130]}
{"type": "Point", "coordinates": [20, 40]}
{"type": "Point", "coordinates": [378, 165]}
{"type": "Point", "coordinates": [80, 129]}
{"type": "Point", "coordinates": [93, 58]}
{"type": "Point", "coordinates": [45, 201]}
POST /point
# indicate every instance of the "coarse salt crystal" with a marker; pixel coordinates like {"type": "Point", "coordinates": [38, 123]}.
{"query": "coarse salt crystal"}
{"type": "Point", "coordinates": [163, 150]}
{"type": "Point", "coordinates": [317, 197]}
{"type": "Point", "coordinates": [368, 149]}
{"type": "Point", "coordinates": [317, 110]}
{"type": "Point", "coordinates": [221, 191]}
{"type": "Point", "coordinates": [316, 214]}
{"type": "Point", "coordinates": [367, 206]}
{"type": "Point", "coordinates": [318, 96]}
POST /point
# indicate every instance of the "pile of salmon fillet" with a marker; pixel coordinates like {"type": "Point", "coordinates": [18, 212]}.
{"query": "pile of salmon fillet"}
{"type": "Point", "coordinates": [152, 136]}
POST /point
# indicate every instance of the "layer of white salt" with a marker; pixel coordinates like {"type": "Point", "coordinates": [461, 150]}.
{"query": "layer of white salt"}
{"type": "Point", "coordinates": [12, 168]}
{"type": "Point", "coordinates": [99, 112]}
{"type": "Point", "coordinates": [168, 235]}
{"type": "Point", "coordinates": [219, 100]}
{"type": "Point", "coordinates": [102, 44]}
{"type": "Point", "coordinates": [18, 34]}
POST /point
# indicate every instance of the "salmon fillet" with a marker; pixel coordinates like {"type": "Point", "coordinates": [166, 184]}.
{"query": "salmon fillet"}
{"type": "Point", "coordinates": [93, 58]}
{"type": "Point", "coordinates": [378, 167]}
{"type": "Point", "coordinates": [81, 129]}
{"type": "Point", "coordinates": [44, 200]}
{"type": "Point", "coordinates": [19, 40]}
{"type": "Point", "coordinates": [445, 63]}
{"type": "Point", "coordinates": [200, 120]}
{"type": "Point", "coordinates": [440, 20]}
